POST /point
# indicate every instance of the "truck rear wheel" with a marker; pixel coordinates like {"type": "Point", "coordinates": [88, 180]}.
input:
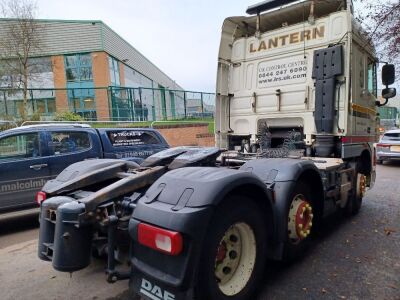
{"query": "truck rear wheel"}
{"type": "Point", "coordinates": [355, 200]}
{"type": "Point", "coordinates": [300, 216]}
{"type": "Point", "coordinates": [234, 252]}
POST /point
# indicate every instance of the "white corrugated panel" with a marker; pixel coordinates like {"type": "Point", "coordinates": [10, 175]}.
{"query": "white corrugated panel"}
{"type": "Point", "coordinates": [61, 37]}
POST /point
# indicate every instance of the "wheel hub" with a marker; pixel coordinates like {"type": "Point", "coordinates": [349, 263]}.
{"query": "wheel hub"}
{"type": "Point", "coordinates": [235, 258]}
{"type": "Point", "coordinates": [361, 185]}
{"type": "Point", "coordinates": [228, 255]}
{"type": "Point", "coordinates": [299, 219]}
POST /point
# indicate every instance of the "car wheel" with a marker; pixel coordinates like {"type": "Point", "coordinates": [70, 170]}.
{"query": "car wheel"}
{"type": "Point", "coordinates": [234, 252]}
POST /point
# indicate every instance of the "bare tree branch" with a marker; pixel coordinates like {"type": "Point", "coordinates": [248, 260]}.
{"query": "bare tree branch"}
{"type": "Point", "coordinates": [20, 42]}
{"type": "Point", "coordinates": [381, 19]}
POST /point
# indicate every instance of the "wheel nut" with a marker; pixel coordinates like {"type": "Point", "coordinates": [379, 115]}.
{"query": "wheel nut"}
{"type": "Point", "coordinates": [232, 254]}
{"type": "Point", "coordinates": [233, 238]}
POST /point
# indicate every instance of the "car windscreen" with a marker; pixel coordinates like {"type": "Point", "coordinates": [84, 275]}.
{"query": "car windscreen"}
{"type": "Point", "coordinates": [126, 138]}
{"type": "Point", "coordinates": [393, 136]}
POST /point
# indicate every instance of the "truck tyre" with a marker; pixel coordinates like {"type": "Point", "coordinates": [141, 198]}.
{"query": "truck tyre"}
{"type": "Point", "coordinates": [300, 219]}
{"type": "Point", "coordinates": [234, 252]}
{"type": "Point", "coordinates": [357, 193]}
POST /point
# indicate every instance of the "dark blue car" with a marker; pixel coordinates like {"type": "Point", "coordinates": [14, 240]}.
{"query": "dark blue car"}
{"type": "Point", "coordinates": [31, 155]}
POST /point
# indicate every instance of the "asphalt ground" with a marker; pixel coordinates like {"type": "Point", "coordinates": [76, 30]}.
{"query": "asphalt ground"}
{"type": "Point", "coordinates": [351, 258]}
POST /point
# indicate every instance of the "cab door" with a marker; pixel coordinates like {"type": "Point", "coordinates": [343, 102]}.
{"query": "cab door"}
{"type": "Point", "coordinates": [23, 171]}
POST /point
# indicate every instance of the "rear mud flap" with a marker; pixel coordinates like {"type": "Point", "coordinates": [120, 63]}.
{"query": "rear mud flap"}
{"type": "Point", "coordinates": [150, 289]}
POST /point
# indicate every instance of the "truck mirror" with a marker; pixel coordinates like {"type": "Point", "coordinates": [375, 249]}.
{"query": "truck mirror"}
{"type": "Point", "coordinates": [388, 93]}
{"type": "Point", "coordinates": [388, 74]}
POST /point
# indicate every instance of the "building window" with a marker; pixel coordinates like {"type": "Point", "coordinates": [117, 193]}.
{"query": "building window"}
{"type": "Point", "coordinates": [81, 96]}
{"type": "Point", "coordinates": [113, 65]}
{"type": "Point", "coordinates": [82, 102]}
{"type": "Point", "coordinates": [78, 67]}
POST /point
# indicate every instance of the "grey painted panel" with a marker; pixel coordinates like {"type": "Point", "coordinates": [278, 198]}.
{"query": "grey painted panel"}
{"type": "Point", "coordinates": [58, 37]}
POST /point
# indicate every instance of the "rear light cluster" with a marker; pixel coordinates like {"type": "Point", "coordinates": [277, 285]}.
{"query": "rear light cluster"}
{"type": "Point", "coordinates": [40, 197]}
{"type": "Point", "coordinates": [166, 241]}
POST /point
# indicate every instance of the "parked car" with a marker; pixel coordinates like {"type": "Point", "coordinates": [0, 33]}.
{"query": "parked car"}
{"type": "Point", "coordinates": [31, 155]}
{"type": "Point", "coordinates": [389, 146]}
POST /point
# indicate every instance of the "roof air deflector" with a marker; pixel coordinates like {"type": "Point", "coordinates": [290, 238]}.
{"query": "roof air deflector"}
{"type": "Point", "coordinates": [266, 5]}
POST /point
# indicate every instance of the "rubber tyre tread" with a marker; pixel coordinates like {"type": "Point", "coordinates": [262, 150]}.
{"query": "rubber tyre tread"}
{"type": "Point", "coordinates": [235, 209]}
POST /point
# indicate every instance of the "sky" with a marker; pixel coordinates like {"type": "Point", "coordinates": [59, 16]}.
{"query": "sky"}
{"type": "Point", "coordinates": [181, 37]}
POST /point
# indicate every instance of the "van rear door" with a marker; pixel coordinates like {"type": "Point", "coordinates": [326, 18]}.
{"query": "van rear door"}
{"type": "Point", "coordinates": [131, 143]}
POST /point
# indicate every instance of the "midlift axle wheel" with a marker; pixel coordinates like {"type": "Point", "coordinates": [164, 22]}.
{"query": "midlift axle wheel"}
{"type": "Point", "coordinates": [357, 193]}
{"type": "Point", "coordinates": [234, 252]}
{"type": "Point", "coordinates": [361, 185]}
{"type": "Point", "coordinates": [300, 218]}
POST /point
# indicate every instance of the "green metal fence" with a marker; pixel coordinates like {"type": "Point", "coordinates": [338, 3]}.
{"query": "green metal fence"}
{"type": "Point", "coordinates": [109, 104]}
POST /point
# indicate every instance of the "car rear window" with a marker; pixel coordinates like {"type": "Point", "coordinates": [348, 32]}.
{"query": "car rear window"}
{"type": "Point", "coordinates": [123, 138]}
{"type": "Point", "coordinates": [69, 141]}
{"type": "Point", "coordinates": [394, 136]}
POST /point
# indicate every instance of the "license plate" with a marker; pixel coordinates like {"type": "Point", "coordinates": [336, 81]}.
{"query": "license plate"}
{"type": "Point", "coordinates": [395, 148]}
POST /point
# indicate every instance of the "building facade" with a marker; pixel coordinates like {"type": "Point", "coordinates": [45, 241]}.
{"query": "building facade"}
{"type": "Point", "coordinates": [87, 68]}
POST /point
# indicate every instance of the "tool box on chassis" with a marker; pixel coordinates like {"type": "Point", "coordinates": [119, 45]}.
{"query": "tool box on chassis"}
{"type": "Point", "coordinates": [295, 126]}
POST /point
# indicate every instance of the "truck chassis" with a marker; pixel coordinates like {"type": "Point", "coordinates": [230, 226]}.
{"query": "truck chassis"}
{"type": "Point", "coordinates": [274, 205]}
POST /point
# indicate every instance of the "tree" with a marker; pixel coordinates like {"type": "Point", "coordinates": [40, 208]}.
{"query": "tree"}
{"type": "Point", "coordinates": [381, 19]}
{"type": "Point", "coordinates": [21, 39]}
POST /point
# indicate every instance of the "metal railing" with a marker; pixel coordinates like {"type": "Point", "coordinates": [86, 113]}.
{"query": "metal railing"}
{"type": "Point", "coordinates": [141, 104]}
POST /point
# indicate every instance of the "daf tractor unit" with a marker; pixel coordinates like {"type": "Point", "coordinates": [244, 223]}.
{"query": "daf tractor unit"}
{"type": "Point", "coordinates": [296, 119]}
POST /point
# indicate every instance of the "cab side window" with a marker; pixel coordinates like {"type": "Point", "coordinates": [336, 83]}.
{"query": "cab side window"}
{"type": "Point", "coordinates": [20, 146]}
{"type": "Point", "coordinates": [69, 141]}
{"type": "Point", "coordinates": [371, 80]}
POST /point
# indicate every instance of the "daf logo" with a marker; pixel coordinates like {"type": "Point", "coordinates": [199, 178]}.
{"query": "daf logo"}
{"type": "Point", "coordinates": [155, 292]}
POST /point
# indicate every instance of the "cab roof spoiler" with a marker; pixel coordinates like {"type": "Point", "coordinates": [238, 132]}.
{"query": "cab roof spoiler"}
{"type": "Point", "coordinates": [266, 5]}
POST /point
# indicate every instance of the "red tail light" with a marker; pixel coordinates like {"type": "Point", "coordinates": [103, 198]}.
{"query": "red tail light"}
{"type": "Point", "coordinates": [166, 241]}
{"type": "Point", "coordinates": [40, 197]}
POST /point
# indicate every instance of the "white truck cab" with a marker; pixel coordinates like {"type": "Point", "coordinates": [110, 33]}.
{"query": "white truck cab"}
{"type": "Point", "coordinates": [305, 66]}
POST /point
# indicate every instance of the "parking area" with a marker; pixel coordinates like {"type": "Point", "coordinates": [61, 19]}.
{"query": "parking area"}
{"type": "Point", "coordinates": [355, 258]}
